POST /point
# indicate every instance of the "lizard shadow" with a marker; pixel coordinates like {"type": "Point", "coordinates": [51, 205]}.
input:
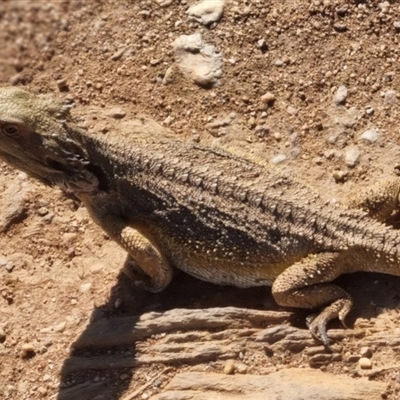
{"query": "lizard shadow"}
{"type": "Point", "coordinates": [102, 382]}
{"type": "Point", "coordinates": [105, 383]}
{"type": "Point", "coordinates": [372, 293]}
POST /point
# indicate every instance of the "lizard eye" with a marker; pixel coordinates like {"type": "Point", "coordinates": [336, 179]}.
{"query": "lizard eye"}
{"type": "Point", "coordinates": [11, 130]}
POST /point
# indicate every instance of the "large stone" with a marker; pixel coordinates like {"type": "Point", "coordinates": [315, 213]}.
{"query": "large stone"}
{"type": "Point", "coordinates": [288, 384]}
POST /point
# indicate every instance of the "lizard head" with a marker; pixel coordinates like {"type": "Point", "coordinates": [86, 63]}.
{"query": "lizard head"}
{"type": "Point", "coordinates": [35, 137]}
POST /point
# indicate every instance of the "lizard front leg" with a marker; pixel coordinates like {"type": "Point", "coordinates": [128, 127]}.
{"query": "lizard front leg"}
{"type": "Point", "coordinates": [146, 264]}
{"type": "Point", "coordinates": [306, 284]}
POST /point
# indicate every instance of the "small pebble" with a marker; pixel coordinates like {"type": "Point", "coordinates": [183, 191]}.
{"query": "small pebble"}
{"type": "Point", "coordinates": [168, 76]}
{"type": "Point", "coordinates": [279, 158]}
{"type": "Point", "coordinates": [118, 54]}
{"type": "Point", "coordinates": [390, 97]}
{"type": "Point", "coordinates": [366, 352]}
{"type": "Point", "coordinates": [246, 11]}
{"type": "Point", "coordinates": [157, 383]}
{"type": "Point", "coordinates": [329, 154]}
{"type": "Point", "coordinates": [251, 122]}
{"type": "Point", "coordinates": [3, 261]}
{"type": "Point", "coordinates": [60, 327]}
{"type": "Point", "coordinates": [241, 368]}
{"type": "Point", "coordinates": [84, 288]}
{"type": "Point", "coordinates": [365, 363]}
{"type": "Point", "coordinates": [27, 349]}
{"type": "Point", "coordinates": [340, 27]}
{"type": "Point", "coordinates": [229, 367]}
{"type": "Point", "coordinates": [342, 11]}
{"type": "Point", "coordinates": [318, 160]}
{"type": "Point", "coordinates": [268, 98]}
{"type": "Point", "coordinates": [48, 218]}
{"type": "Point", "coordinates": [42, 211]}
{"type": "Point", "coordinates": [369, 110]}
{"type": "Point", "coordinates": [291, 110]}
{"type": "Point", "coordinates": [116, 113]}
{"type": "Point", "coordinates": [42, 391]}
{"type": "Point", "coordinates": [339, 176]}
{"type": "Point", "coordinates": [353, 358]}
{"type": "Point", "coordinates": [10, 266]}
{"type": "Point", "coordinates": [118, 302]}
{"type": "Point", "coordinates": [396, 25]}
{"type": "Point", "coordinates": [341, 95]}
{"type": "Point", "coordinates": [261, 130]}
{"type": "Point", "coordinates": [351, 156]}
{"type": "Point", "coordinates": [279, 62]}
{"type": "Point", "coordinates": [375, 87]}
{"type": "Point", "coordinates": [62, 85]}
{"type": "Point", "coordinates": [167, 121]}
{"type": "Point", "coordinates": [262, 44]}
{"type": "Point", "coordinates": [164, 3]}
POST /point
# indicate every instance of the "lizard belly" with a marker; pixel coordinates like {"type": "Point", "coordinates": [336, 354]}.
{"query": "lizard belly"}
{"type": "Point", "coordinates": [229, 272]}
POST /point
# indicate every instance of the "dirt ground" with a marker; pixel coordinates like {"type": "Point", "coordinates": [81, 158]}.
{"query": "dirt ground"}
{"type": "Point", "coordinates": [283, 63]}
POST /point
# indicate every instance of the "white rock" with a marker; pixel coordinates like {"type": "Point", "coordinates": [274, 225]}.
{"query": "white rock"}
{"type": "Point", "coordinates": [164, 3]}
{"type": "Point", "coordinates": [278, 159]}
{"type": "Point", "coordinates": [85, 287]}
{"type": "Point", "coordinates": [351, 156]}
{"type": "Point", "coordinates": [390, 97]}
{"type": "Point", "coordinates": [197, 60]}
{"type": "Point", "coordinates": [3, 261]}
{"type": "Point", "coordinates": [370, 135]}
{"type": "Point", "coordinates": [340, 95]}
{"type": "Point", "coordinates": [207, 11]}
{"type": "Point", "coordinates": [60, 327]}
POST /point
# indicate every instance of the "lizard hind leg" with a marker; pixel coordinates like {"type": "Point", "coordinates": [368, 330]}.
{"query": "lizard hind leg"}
{"type": "Point", "coordinates": [379, 200]}
{"type": "Point", "coordinates": [306, 284]}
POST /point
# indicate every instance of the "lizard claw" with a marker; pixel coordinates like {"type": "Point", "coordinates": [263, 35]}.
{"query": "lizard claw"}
{"type": "Point", "coordinates": [317, 327]}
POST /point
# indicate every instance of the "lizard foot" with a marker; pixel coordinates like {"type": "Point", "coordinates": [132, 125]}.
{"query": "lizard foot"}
{"type": "Point", "coordinates": [317, 323]}
{"type": "Point", "coordinates": [140, 279]}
